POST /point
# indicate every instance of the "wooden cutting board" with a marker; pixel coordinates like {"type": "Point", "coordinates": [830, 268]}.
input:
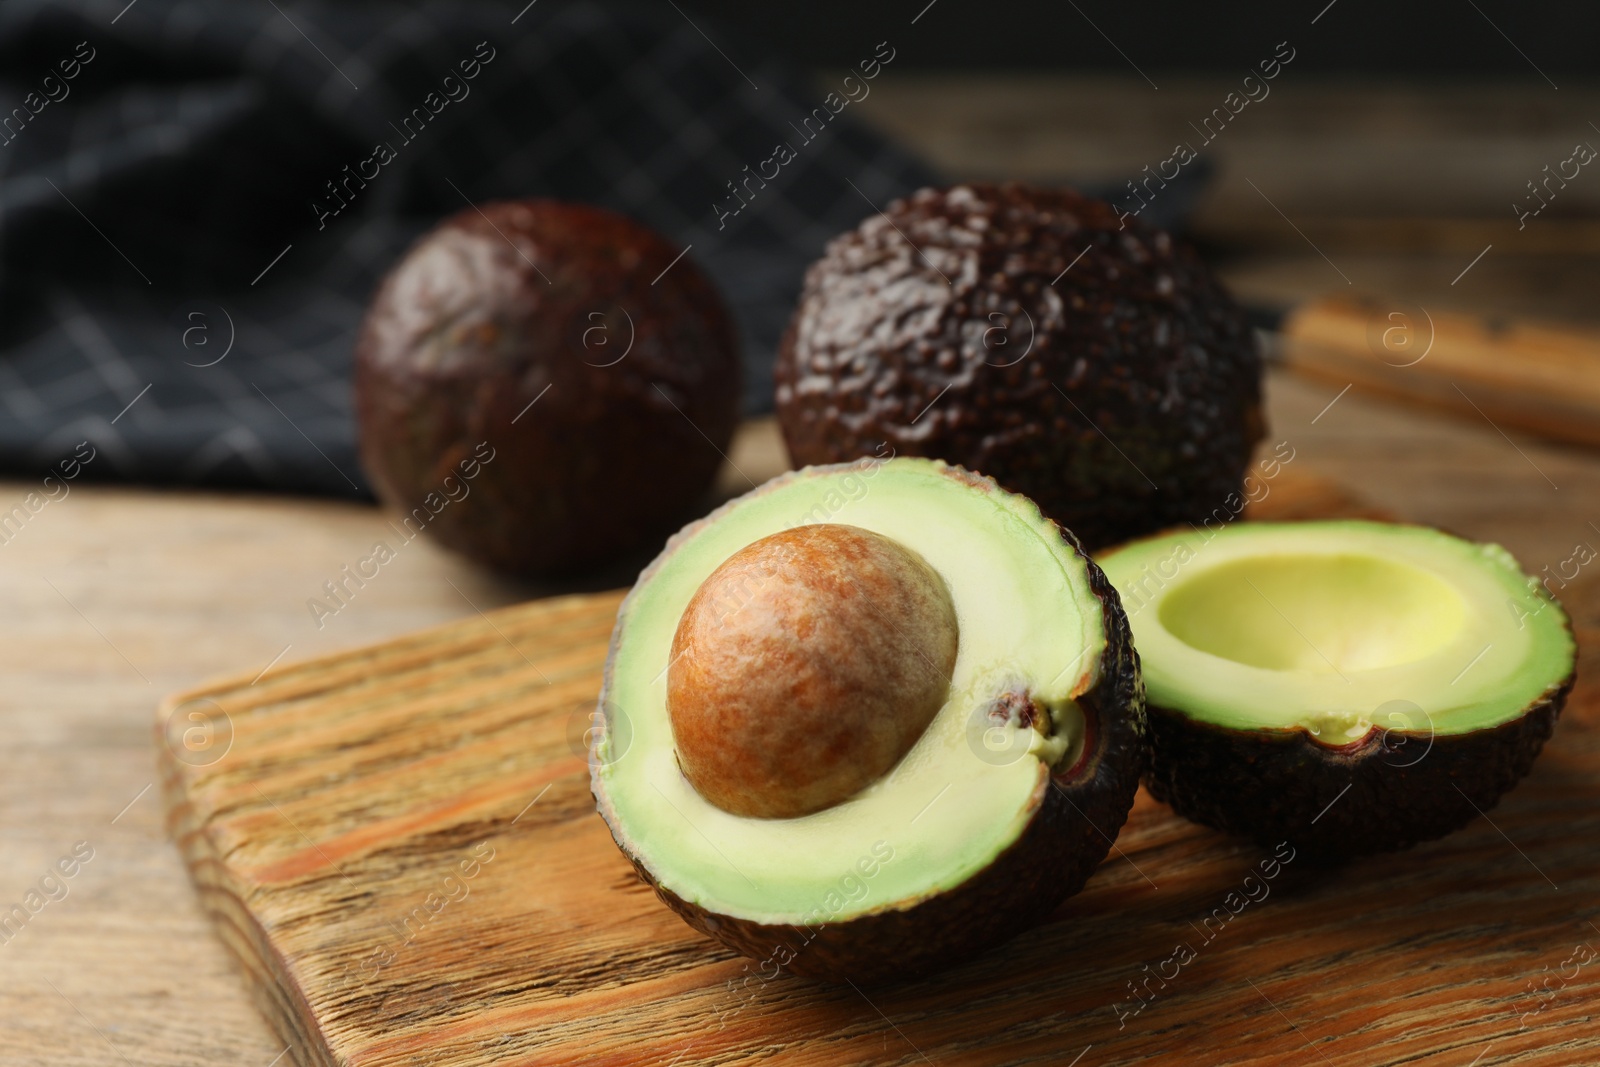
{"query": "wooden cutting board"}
{"type": "Point", "coordinates": [399, 845]}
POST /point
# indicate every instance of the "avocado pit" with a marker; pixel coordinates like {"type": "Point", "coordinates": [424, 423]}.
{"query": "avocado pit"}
{"type": "Point", "coordinates": [805, 667]}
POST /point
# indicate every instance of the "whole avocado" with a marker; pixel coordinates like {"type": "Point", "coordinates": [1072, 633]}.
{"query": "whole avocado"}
{"type": "Point", "coordinates": [1077, 357]}
{"type": "Point", "coordinates": [531, 397]}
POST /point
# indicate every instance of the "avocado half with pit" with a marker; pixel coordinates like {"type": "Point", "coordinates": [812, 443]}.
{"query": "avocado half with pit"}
{"type": "Point", "coordinates": [869, 719]}
{"type": "Point", "coordinates": [1346, 686]}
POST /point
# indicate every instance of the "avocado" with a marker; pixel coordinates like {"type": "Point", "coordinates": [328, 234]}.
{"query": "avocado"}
{"type": "Point", "coordinates": [1077, 356]}
{"type": "Point", "coordinates": [909, 621]}
{"type": "Point", "coordinates": [538, 391]}
{"type": "Point", "coordinates": [1349, 686]}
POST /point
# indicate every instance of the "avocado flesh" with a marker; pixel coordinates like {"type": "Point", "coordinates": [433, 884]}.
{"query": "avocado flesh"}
{"type": "Point", "coordinates": [1273, 625]}
{"type": "Point", "coordinates": [1349, 686]}
{"type": "Point", "coordinates": [1027, 618]}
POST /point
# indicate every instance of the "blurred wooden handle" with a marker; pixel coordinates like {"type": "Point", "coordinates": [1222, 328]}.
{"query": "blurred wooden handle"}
{"type": "Point", "coordinates": [1542, 380]}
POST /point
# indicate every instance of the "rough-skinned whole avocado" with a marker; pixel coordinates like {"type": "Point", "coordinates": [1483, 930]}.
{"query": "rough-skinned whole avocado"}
{"type": "Point", "coordinates": [551, 338]}
{"type": "Point", "coordinates": [1078, 357]}
{"type": "Point", "coordinates": [999, 810]}
{"type": "Point", "coordinates": [1349, 686]}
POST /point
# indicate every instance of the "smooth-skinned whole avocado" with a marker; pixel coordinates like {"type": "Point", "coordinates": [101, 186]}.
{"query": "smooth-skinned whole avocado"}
{"type": "Point", "coordinates": [999, 808]}
{"type": "Point", "coordinates": [1349, 686]}
{"type": "Point", "coordinates": [1077, 357]}
{"type": "Point", "coordinates": [551, 338]}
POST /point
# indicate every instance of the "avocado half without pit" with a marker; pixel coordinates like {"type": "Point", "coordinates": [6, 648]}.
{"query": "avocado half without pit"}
{"type": "Point", "coordinates": [1349, 687]}
{"type": "Point", "coordinates": [869, 719]}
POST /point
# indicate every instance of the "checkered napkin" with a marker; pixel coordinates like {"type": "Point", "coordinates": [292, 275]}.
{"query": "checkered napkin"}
{"type": "Point", "coordinates": [185, 257]}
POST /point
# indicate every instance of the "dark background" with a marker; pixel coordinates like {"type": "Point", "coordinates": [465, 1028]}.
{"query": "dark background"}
{"type": "Point", "coordinates": [1397, 39]}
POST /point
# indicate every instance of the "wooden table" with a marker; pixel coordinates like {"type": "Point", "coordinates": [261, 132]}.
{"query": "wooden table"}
{"type": "Point", "coordinates": [119, 595]}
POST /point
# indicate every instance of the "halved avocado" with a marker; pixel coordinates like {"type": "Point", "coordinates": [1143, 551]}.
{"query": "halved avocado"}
{"type": "Point", "coordinates": [1003, 805]}
{"type": "Point", "coordinates": [1349, 686]}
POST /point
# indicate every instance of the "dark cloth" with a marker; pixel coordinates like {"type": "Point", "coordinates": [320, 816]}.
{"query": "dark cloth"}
{"type": "Point", "coordinates": [185, 257]}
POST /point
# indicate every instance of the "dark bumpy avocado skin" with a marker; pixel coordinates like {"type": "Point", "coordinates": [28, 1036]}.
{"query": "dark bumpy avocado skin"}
{"type": "Point", "coordinates": [1284, 785]}
{"type": "Point", "coordinates": [466, 332]}
{"type": "Point", "coordinates": [1078, 813]}
{"type": "Point", "coordinates": [1141, 368]}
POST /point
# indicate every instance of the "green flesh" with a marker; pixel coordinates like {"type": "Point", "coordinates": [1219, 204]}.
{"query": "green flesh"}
{"type": "Point", "coordinates": [1339, 626]}
{"type": "Point", "coordinates": [1027, 618]}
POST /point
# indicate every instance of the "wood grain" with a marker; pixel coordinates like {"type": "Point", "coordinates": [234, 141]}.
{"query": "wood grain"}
{"type": "Point", "coordinates": [1542, 380]}
{"type": "Point", "coordinates": [328, 845]}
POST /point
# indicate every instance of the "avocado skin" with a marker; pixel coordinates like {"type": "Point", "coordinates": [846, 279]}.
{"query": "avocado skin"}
{"type": "Point", "coordinates": [1269, 785]}
{"type": "Point", "coordinates": [464, 333]}
{"type": "Point", "coordinates": [1159, 366]}
{"type": "Point", "coordinates": [1076, 818]}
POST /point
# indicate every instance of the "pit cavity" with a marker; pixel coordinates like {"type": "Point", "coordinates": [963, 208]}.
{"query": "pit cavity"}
{"type": "Point", "coordinates": [1318, 614]}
